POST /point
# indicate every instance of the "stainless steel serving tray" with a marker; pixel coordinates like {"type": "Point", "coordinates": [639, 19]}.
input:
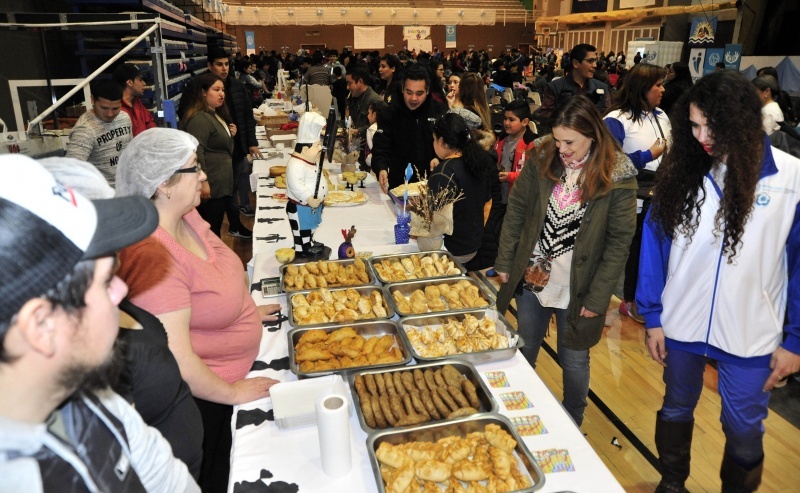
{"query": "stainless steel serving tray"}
{"type": "Point", "coordinates": [366, 329]}
{"type": "Point", "coordinates": [488, 404]}
{"type": "Point", "coordinates": [341, 262]}
{"type": "Point", "coordinates": [363, 290]}
{"type": "Point", "coordinates": [399, 256]}
{"type": "Point", "coordinates": [460, 427]}
{"type": "Point", "coordinates": [406, 288]}
{"type": "Point", "coordinates": [479, 357]}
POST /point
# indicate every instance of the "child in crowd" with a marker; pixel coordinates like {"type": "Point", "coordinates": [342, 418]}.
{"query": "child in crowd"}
{"type": "Point", "coordinates": [373, 115]}
{"type": "Point", "coordinates": [515, 147]}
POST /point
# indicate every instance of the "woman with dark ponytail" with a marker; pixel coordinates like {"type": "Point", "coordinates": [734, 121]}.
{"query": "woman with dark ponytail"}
{"type": "Point", "coordinates": [463, 166]}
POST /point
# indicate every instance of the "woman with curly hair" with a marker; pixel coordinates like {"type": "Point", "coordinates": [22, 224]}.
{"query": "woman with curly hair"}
{"type": "Point", "coordinates": [720, 262]}
{"type": "Point", "coordinates": [642, 130]}
{"type": "Point", "coordinates": [568, 226]}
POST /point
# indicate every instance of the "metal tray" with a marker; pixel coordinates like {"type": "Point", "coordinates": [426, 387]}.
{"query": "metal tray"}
{"type": "Point", "coordinates": [460, 427]}
{"type": "Point", "coordinates": [476, 358]}
{"type": "Point", "coordinates": [488, 403]}
{"type": "Point", "coordinates": [406, 288]}
{"type": "Point", "coordinates": [365, 329]}
{"type": "Point", "coordinates": [342, 262]}
{"type": "Point", "coordinates": [399, 256]}
{"type": "Point", "coordinates": [363, 290]}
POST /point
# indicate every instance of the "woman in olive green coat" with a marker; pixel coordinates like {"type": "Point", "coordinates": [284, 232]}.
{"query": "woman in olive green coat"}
{"type": "Point", "coordinates": [569, 224]}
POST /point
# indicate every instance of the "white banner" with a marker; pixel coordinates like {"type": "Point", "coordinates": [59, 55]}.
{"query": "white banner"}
{"type": "Point", "coordinates": [629, 4]}
{"type": "Point", "coordinates": [411, 33]}
{"type": "Point", "coordinates": [420, 45]}
{"type": "Point", "coordinates": [368, 38]}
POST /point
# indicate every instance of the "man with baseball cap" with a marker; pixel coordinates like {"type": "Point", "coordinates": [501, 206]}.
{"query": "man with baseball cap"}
{"type": "Point", "coordinates": [132, 82]}
{"type": "Point", "coordinates": [61, 428]}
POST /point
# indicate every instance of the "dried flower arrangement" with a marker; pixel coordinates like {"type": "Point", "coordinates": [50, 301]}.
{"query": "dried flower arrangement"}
{"type": "Point", "coordinates": [427, 204]}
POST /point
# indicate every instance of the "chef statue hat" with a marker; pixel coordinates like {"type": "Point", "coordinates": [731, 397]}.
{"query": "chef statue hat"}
{"type": "Point", "coordinates": [310, 127]}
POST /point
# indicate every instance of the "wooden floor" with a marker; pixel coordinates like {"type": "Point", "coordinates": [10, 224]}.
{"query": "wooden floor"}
{"type": "Point", "coordinates": [629, 382]}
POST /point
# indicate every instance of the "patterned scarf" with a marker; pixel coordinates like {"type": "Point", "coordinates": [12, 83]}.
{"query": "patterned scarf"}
{"type": "Point", "coordinates": [564, 212]}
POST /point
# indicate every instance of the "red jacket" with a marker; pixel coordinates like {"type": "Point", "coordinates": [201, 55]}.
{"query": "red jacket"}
{"type": "Point", "coordinates": [140, 117]}
{"type": "Point", "coordinates": [521, 153]}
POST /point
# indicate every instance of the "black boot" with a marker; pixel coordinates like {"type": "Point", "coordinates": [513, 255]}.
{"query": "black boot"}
{"type": "Point", "coordinates": [736, 479]}
{"type": "Point", "coordinates": [674, 445]}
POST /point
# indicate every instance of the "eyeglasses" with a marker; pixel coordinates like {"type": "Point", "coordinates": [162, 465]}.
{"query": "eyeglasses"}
{"type": "Point", "coordinates": [590, 60]}
{"type": "Point", "coordinates": [194, 169]}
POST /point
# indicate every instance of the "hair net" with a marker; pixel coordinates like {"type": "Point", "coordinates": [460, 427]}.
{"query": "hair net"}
{"type": "Point", "coordinates": [151, 158]}
{"type": "Point", "coordinates": [79, 175]}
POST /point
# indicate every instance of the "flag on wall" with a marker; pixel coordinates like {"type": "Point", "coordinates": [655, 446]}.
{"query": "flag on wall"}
{"type": "Point", "coordinates": [449, 36]}
{"type": "Point", "coordinates": [697, 59]}
{"type": "Point", "coordinates": [250, 42]}
{"type": "Point", "coordinates": [713, 57]}
{"type": "Point", "coordinates": [733, 56]}
{"type": "Point", "coordinates": [703, 31]}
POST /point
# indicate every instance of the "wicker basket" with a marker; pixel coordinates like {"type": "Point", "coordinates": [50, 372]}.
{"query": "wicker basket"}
{"type": "Point", "coordinates": [274, 121]}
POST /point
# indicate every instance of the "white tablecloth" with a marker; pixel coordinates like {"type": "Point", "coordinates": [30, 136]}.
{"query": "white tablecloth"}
{"type": "Point", "coordinates": [289, 460]}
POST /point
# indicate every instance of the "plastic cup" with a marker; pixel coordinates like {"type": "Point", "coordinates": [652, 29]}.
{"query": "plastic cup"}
{"type": "Point", "coordinates": [401, 232]}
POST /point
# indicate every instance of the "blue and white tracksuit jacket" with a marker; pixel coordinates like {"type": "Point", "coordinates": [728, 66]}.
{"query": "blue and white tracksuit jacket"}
{"type": "Point", "coordinates": [730, 312]}
{"type": "Point", "coordinates": [636, 138]}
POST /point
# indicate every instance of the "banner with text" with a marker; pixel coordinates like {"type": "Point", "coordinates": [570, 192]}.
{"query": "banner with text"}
{"type": "Point", "coordinates": [416, 32]}
{"type": "Point", "coordinates": [733, 56]}
{"type": "Point", "coordinates": [250, 42]}
{"type": "Point", "coordinates": [368, 37]}
{"type": "Point", "coordinates": [449, 36]}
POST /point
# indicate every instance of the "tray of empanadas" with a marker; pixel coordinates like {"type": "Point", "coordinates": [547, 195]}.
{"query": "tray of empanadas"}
{"type": "Point", "coordinates": [346, 347]}
{"type": "Point", "coordinates": [338, 305]}
{"type": "Point", "coordinates": [481, 452]}
{"type": "Point", "coordinates": [415, 266]}
{"type": "Point", "coordinates": [326, 274]}
{"type": "Point", "coordinates": [478, 336]}
{"type": "Point", "coordinates": [419, 394]}
{"type": "Point", "coordinates": [450, 294]}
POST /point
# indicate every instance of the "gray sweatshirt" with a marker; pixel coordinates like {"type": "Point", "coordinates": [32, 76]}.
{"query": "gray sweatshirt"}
{"type": "Point", "coordinates": [100, 143]}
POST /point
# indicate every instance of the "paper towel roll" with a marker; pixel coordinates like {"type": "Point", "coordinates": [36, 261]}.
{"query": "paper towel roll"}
{"type": "Point", "coordinates": [333, 425]}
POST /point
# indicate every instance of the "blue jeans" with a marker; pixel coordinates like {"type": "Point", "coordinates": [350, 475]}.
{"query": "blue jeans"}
{"type": "Point", "coordinates": [744, 405]}
{"type": "Point", "coordinates": [533, 320]}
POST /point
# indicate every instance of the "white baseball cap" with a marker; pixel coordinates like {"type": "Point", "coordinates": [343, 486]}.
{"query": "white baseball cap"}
{"type": "Point", "coordinates": [46, 228]}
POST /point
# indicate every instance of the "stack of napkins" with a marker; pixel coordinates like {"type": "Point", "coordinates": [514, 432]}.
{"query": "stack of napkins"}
{"type": "Point", "coordinates": [293, 402]}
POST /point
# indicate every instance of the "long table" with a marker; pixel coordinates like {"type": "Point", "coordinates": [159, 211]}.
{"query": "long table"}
{"type": "Point", "coordinates": [265, 458]}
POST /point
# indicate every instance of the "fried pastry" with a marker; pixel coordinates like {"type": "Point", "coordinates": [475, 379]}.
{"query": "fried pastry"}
{"type": "Point", "coordinates": [366, 411]}
{"type": "Point", "coordinates": [445, 396]}
{"type": "Point", "coordinates": [460, 413]}
{"type": "Point", "coordinates": [498, 437]}
{"type": "Point", "coordinates": [399, 387]}
{"type": "Point", "coordinates": [392, 455]}
{"type": "Point", "coordinates": [401, 479]}
{"type": "Point", "coordinates": [465, 470]}
{"type": "Point", "coordinates": [427, 400]}
{"type": "Point", "coordinates": [386, 409]}
{"type": "Point", "coordinates": [458, 396]}
{"type": "Point", "coordinates": [471, 393]}
{"type": "Point", "coordinates": [432, 470]}
{"type": "Point", "coordinates": [378, 412]}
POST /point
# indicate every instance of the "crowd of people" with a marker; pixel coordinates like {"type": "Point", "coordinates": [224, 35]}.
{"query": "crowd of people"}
{"type": "Point", "coordinates": [680, 189]}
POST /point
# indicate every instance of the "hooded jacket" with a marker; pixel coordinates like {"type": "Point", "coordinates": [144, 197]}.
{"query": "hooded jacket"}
{"type": "Point", "coordinates": [601, 246]}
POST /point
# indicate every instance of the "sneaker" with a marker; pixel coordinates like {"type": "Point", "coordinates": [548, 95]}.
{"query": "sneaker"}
{"type": "Point", "coordinates": [629, 309]}
{"type": "Point", "coordinates": [246, 210]}
{"type": "Point", "coordinates": [242, 232]}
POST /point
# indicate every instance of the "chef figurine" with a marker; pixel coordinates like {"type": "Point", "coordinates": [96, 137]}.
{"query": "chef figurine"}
{"type": "Point", "coordinates": [304, 210]}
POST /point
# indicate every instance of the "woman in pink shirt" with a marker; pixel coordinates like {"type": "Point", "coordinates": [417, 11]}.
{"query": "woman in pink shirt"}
{"type": "Point", "coordinates": [194, 284]}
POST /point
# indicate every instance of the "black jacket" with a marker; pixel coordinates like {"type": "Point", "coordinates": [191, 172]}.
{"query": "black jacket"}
{"type": "Point", "coordinates": [237, 97]}
{"type": "Point", "coordinates": [405, 137]}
